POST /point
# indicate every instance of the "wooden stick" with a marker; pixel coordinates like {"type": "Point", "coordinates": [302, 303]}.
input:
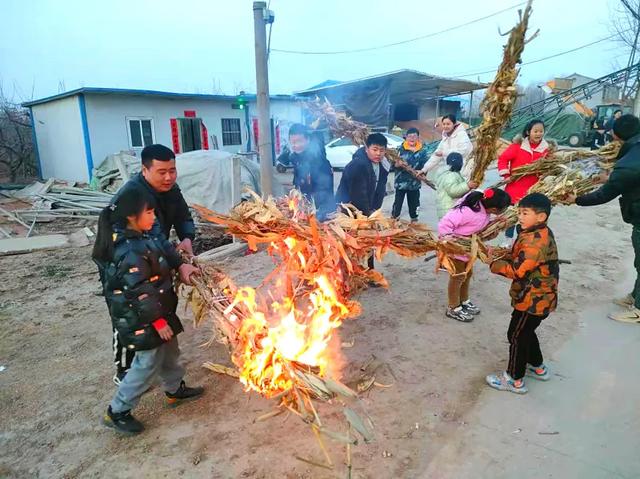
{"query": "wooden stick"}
{"type": "Point", "coordinates": [314, 428]}
{"type": "Point", "coordinates": [13, 217]}
{"type": "Point", "coordinates": [313, 463]}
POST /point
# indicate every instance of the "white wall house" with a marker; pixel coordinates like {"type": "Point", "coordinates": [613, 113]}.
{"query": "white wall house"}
{"type": "Point", "coordinates": [76, 130]}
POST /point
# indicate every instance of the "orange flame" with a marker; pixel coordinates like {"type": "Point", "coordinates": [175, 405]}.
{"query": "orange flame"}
{"type": "Point", "coordinates": [296, 327]}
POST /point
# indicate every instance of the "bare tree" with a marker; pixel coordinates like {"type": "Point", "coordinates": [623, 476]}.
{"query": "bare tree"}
{"type": "Point", "coordinates": [17, 154]}
{"type": "Point", "coordinates": [529, 95]}
{"type": "Point", "coordinates": [625, 25]}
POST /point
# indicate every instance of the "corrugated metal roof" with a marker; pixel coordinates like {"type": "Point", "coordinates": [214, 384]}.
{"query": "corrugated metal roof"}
{"type": "Point", "coordinates": [161, 94]}
{"type": "Point", "coordinates": [406, 85]}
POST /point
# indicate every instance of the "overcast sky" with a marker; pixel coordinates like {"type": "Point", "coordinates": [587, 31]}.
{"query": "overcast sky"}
{"type": "Point", "coordinates": [206, 46]}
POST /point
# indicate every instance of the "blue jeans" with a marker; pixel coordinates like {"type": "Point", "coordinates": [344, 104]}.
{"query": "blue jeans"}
{"type": "Point", "coordinates": [161, 361]}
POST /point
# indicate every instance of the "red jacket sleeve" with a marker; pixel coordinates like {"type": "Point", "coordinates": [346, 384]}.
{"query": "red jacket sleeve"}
{"type": "Point", "coordinates": [505, 159]}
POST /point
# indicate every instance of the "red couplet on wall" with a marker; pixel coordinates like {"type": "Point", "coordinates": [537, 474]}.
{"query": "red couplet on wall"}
{"type": "Point", "coordinates": [205, 137]}
{"type": "Point", "coordinates": [278, 144]}
{"type": "Point", "coordinates": [175, 138]}
{"type": "Point", "coordinates": [256, 132]}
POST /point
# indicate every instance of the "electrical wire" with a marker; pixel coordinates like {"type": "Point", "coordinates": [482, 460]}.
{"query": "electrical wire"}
{"type": "Point", "coordinates": [402, 42]}
{"type": "Point", "coordinates": [539, 59]}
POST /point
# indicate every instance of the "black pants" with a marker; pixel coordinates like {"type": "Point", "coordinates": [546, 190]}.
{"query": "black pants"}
{"type": "Point", "coordinates": [413, 200]}
{"type": "Point", "coordinates": [122, 357]}
{"type": "Point", "coordinates": [524, 346]}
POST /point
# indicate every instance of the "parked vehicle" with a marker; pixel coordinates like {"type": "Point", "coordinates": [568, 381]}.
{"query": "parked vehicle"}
{"type": "Point", "coordinates": [340, 150]}
{"type": "Point", "coordinates": [283, 163]}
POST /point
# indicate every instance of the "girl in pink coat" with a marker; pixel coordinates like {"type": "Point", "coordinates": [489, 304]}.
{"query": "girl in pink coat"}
{"type": "Point", "coordinates": [470, 216]}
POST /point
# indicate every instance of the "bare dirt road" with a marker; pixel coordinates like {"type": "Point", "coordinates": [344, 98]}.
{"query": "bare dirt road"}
{"type": "Point", "coordinates": [55, 346]}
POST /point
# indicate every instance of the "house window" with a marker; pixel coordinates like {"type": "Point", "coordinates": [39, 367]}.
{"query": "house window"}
{"type": "Point", "coordinates": [140, 132]}
{"type": "Point", "coordinates": [231, 133]}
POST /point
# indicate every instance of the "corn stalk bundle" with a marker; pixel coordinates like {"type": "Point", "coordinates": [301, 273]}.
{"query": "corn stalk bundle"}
{"type": "Point", "coordinates": [340, 124]}
{"type": "Point", "coordinates": [555, 162]}
{"type": "Point", "coordinates": [501, 95]}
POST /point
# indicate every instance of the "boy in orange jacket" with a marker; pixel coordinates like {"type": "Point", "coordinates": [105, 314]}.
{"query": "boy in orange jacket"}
{"type": "Point", "coordinates": [533, 267]}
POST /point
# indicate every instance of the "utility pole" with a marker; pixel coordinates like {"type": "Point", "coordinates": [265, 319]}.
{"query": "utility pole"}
{"type": "Point", "coordinates": [260, 18]}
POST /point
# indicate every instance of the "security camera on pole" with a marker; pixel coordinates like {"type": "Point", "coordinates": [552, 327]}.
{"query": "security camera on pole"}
{"type": "Point", "coordinates": [262, 16]}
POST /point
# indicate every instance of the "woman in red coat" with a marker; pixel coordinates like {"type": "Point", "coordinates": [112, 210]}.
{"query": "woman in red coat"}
{"type": "Point", "coordinates": [531, 148]}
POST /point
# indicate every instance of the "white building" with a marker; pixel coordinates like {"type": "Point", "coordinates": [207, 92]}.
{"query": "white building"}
{"type": "Point", "coordinates": [76, 130]}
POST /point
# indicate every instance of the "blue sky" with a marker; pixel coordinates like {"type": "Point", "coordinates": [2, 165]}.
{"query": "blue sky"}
{"type": "Point", "coordinates": [207, 45]}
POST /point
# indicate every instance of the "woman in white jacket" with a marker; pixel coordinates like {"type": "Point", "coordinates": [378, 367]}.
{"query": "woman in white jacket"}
{"type": "Point", "coordinates": [454, 138]}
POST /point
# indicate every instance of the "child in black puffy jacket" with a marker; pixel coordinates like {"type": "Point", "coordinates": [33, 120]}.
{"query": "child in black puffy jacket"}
{"type": "Point", "coordinates": [138, 286]}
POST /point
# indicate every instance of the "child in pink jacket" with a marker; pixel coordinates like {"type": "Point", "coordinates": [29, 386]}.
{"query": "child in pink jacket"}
{"type": "Point", "coordinates": [470, 216]}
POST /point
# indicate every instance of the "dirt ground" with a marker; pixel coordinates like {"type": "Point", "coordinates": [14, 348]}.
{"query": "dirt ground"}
{"type": "Point", "coordinates": [55, 345]}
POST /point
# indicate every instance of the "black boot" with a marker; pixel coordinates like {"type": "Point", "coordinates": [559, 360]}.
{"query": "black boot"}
{"type": "Point", "coordinates": [183, 393]}
{"type": "Point", "coordinates": [123, 422]}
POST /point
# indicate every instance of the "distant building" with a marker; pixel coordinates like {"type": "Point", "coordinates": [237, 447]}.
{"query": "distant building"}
{"type": "Point", "coordinates": [609, 94]}
{"type": "Point", "coordinates": [76, 130]}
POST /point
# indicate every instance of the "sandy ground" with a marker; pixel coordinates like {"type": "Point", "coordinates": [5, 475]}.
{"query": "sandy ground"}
{"type": "Point", "coordinates": [55, 345]}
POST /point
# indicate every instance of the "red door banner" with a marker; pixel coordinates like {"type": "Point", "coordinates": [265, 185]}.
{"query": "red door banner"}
{"type": "Point", "coordinates": [205, 137]}
{"type": "Point", "coordinates": [189, 113]}
{"type": "Point", "coordinates": [175, 137]}
{"type": "Point", "coordinates": [256, 132]}
{"type": "Point", "coordinates": [277, 139]}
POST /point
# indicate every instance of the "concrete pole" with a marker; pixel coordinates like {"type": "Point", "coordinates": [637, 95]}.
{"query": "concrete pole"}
{"type": "Point", "coordinates": [262, 84]}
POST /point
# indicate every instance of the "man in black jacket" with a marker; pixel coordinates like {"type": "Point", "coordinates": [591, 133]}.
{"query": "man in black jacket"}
{"type": "Point", "coordinates": [364, 179]}
{"type": "Point", "coordinates": [624, 182]}
{"type": "Point", "coordinates": [312, 173]}
{"type": "Point", "coordinates": [158, 177]}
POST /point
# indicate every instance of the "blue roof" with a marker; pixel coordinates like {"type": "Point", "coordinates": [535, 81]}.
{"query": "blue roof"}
{"type": "Point", "coordinates": [161, 94]}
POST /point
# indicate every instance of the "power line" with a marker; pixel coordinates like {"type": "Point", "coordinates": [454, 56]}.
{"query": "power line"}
{"type": "Point", "coordinates": [402, 42]}
{"type": "Point", "coordinates": [540, 59]}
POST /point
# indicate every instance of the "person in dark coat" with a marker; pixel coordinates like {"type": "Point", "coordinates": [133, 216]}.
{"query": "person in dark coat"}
{"type": "Point", "coordinates": [158, 179]}
{"type": "Point", "coordinates": [140, 295]}
{"type": "Point", "coordinates": [413, 152]}
{"type": "Point", "coordinates": [312, 172]}
{"type": "Point", "coordinates": [608, 125]}
{"type": "Point", "coordinates": [624, 182]}
{"type": "Point", "coordinates": [364, 179]}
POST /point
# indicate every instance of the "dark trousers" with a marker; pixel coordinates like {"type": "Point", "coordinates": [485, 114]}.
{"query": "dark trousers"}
{"type": "Point", "coordinates": [524, 346]}
{"type": "Point", "coordinates": [370, 263]}
{"type": "Point", "coordinates": [635, 241]}
{"type": "Point", "coordinates": [413, 201]}
{"type": "Point", "coordinates": [122, 357]}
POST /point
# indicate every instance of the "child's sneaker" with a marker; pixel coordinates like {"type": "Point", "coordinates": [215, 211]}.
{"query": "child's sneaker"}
{"type": "Point", "coordinates": [470, 308]}
{"type": "Point", "coordinates": [541, 373]}
{"type": "Point", "coordinates": [459, 314]}
{"type": "Point", "coordinates": [503, 382]}
{"type": "Point", "coordinates": [183, 393]}
{"type": "Point", "coordinates": [123, 422]}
